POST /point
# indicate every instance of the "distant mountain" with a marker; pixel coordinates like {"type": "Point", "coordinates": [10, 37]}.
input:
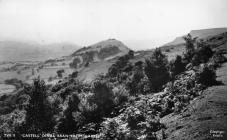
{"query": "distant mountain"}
{"type": "Point", "coordinates": [31, 51]}
{"type": "Point", "coordinates": [201, 34]}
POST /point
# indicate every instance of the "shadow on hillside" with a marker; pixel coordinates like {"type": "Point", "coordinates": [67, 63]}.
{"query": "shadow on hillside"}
{"type": "Point", "coordinates": [218, 83]}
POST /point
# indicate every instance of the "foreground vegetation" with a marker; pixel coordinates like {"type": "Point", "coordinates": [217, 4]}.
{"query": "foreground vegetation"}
{"type": "Point", "coordinates": [125, 103]}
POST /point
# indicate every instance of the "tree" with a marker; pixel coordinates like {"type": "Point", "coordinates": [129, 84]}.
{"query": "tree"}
{"type": "Point", "coordinates": [59, 73]}
{"type": "Point", "coordinates": [71, 120]}
{"type": "Point", "coordinates": [204, 51]}
{"type": "Point", "coordinates": [156, 70]}
{"type": "Point", "coordinates": [33, 72]}
{"type": "Point", "coordinates": [131, 54]}
{"type": "Point", "coordinates": [190, 47]}
{"type": "Point", "coordinates": [74, 74]}
{"type": "Point", "coordinates": [134, 83]}
{"type": "Point", "coordinates": [103, 97]}
{"type": "Point", "coordinates": [39, 115]}
{"type": "Point", "coordinates": [176, 66]}
{"type": "Point", "coordinates": [75, 63]}
{"type": "Point", "coordinates": [206, 76]}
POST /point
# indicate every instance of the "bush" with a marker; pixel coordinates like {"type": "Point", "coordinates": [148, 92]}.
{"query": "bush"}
{"type": "Point", "coordinates": [110, 130]}
{"type": "Point", "coordinates": [134, 117]}
{"type": "Point", "coordinates": [59, 73]}
{"type": "Point", "coordinates": [75, 63]}
{"type": "Point", "coordinates": [217, 59]}
{"type": "Point", "coordinates": [206, 76]}
{"type": "Point", "coordinates": [74, 74]}
{"type": "Point", "coordinates": [131, 54]}
{"type": "Point", "coordinates": [120, 95]}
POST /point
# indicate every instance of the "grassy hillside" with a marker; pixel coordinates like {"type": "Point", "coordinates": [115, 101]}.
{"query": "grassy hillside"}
{"type": "Point", "coordinates": [141, 95]}
{"type": "Point", "coordinates": [201, 34]}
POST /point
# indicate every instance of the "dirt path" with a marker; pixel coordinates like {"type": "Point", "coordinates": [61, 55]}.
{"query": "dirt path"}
{"type": "Point", "coordinates": [206, 116]}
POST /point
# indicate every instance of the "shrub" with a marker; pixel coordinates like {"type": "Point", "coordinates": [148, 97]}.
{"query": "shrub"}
{"type": "Point", "coordinates": [50, 78]}
{"type": "Point", "coordinates": [86, 64]}
{"type": "Point", "coordinates": [113, 70]}
{"type": "Point", "coordinates": [134, 117]}
{"type": "Point", "coordinates": [110, 130]}
{"type": "Point", "coordinates": [131, 53]}
{"type": "Point", "coordinates": [156, 70]}
{"type": "Point", "coordinates": [74, 74]}
{"type": "Point", "coordinates": [59, 73]}
{"type": "Point", "coordinates": [206, 76]}
{"type": "Point", "coordinates": [167, 50]}
{"type": "Point", "coordinates": [120, 65]}
{"type": "Point", "coordinates": [217, 59]}
{"type": "Point", "coordinates": [88, 110]}
{"type": "Point", "coordinates": [120, 95]}
{"type": "Point", "coordinates": [75, 63]}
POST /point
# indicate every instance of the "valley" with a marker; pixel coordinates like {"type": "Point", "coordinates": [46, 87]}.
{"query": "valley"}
{"type": "Point", "coordinates": [109, 90]}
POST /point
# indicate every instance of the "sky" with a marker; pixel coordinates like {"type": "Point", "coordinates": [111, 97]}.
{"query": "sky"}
{"type": "Point", "coordinates": [142, 24]}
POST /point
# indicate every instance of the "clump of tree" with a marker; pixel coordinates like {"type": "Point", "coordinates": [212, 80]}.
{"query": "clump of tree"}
{"type": "Point", "coordinates": [39, 114]}
{"type": "Point", "coordinates": [71, 119]}
{"type": "Point", "coordinates": [121, 65]}
{"type": "Point", "coordinates": [156, 69]}
{"type": "Point", "coordinates": [176, 66]}
{"type": "Point", "coordinates": [190, 47]}
{"type": "Point", "coordinates": [15, 82]}
{"type": "Point", "coordinates": [217, 59]}
{"type": "Point", "coordinates": [60, 72]}
{"type": "Point", "coordinates": [206, 76]}
{"type": "Point", "coordinates": [202, 53]}
{"type": "Point", "coordinates": [74, 64]}
{"type": "Point", "coordinates": [197, 51]}
{"type": "Point", "coordinates": [103, 97]}
{"type": "Point", "coordinates": [74, 74]}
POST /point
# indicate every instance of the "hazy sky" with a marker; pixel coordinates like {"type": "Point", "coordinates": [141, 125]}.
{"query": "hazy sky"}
{"type": "Point", "coordinates": [85, 22]}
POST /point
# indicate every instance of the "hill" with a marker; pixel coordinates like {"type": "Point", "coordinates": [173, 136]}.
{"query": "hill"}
{"type": "Point", "coordinates": [201, 34]}
{"type": "Point", "coordinates": [89, 61]}
{"type": "Point", "coordinates": [99, 57]}
{"type": "Point", "coordinates": [126, 103]}
{"type": "Point", "coordinates": [103, 50]}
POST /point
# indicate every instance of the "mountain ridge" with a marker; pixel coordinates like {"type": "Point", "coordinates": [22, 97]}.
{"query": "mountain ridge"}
{"type": "Point", "coordinates": [200, 33]}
